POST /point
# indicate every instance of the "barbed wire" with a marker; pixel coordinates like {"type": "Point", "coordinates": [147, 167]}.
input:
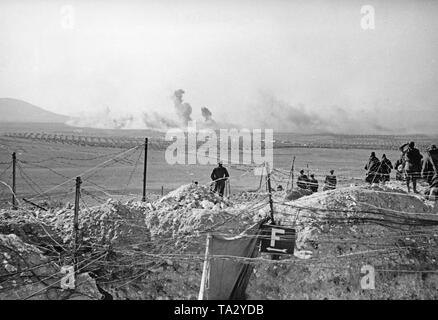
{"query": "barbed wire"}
{"type": "Point", "coordinates": [384, 218]}
{"type": "Point", "coordinates": [134, 169]}
{"type": "Point", "coordinates": [74, 159]}
{"type": "Point", "coordinates": [4, 171]}
{"type": "Point", "coordinates": [84, 172]}
{"type": "Point", "coordinates": [57, 273]}
{"type": "Point", "coordinates": [29, 182]}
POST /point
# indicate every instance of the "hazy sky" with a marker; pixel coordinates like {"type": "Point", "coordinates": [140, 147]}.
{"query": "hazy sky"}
{"type": "Point", "coordinates": [289, 65]}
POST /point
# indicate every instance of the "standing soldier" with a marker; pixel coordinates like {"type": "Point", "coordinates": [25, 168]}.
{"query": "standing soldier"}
{"type": "Point", "coordinates": [412, 168]}
{"type": "Point", "coordinates": [330, 181]}
{"type": "Point", "coordinates": [313, 183]}
{"type": "Point", "coordinates": [373, 168]}
{"type": "Point", "coordinates": [302, 181]}
{"type": "Point", "coordinates": [430, 164]}
{"type": "Point", "coordinates": [219, 176]}
{"type": "Point", "coordinates": [430, 173]}
{"type": "Point", "coordinates": [385, 169]}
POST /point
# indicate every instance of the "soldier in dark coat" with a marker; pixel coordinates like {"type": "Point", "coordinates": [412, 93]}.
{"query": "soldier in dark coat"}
{"type": "Point", "coordinates": [330, 181]}
{"type": "Point", "coordinates": [219, 177]}
{"type": "Point", "coordinates": [303, 180]}
{"type": "Point", "coordinates": [313, 183]}
{"type": "Point", "coordinates": [385, 169]}
{"type": "Point", "coordinates": [430, 164]}
{"type": "Point", "coordinates": [373, 168]}
{"type": "Point", "coordinates": [412, 168]}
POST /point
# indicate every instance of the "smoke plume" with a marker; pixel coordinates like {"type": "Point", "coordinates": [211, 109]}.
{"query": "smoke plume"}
{"type": "Point", "coordinates": [206, 113]}
{"type": "Point", "coordinates": [158, 122]}
{"type": "Point", "coordinates": [104, 119]}
{"type": "Point", "coordinates": [208, 117]}
{"type": "Point", "coordinates": [271, 112]}
{"type": "Point", "coordinates": [183, 109]}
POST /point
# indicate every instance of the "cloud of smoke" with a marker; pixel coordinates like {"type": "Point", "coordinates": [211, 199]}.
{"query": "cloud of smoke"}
{"type": "Point", "coordinates": [158, 122]}
{"type": "Point", "coordinates": [271, 112]}
{"type": "Point", "coordinates": [104, 119]}
{"type": "Point", "coordinates": [183, 109]}
{"type": "Point", "coordinates": [208, 118]}
{"type": "Point", "coordinates": [206, 113]}
{"type": "Point", "coordinates": [267, 112]}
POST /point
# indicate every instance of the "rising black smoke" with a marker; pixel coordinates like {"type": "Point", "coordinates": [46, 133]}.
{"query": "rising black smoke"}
{"type": "Point", "coordinates": [183, 109]}
{"type": "Point", "coordinates": [208, 118]}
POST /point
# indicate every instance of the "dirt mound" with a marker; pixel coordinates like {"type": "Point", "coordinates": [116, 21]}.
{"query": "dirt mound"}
{"type": "Point", "coordinates": [25, 225]}
{"type": "Point", "coordinates": [195, 196]}
{"type": "Point", "coordinates": [356, 202]}
{"type": "Point", "coordinates": [345, 229]}
{"type": "Point", "coordinates": [298, 193]}
{"type": "Point", "coordinates": [187, 210]}
{"type": "Point", "coordinates": [112, 224]}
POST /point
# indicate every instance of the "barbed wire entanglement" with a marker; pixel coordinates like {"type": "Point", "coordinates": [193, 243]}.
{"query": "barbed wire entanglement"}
{"type": "Point", "coordinates": [353, 142]}
{"type": "Point", "coordinates": [58, 164]}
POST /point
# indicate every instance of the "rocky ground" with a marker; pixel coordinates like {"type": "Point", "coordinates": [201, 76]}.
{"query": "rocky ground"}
{"type": "Point", "coordinates": [154, 250]}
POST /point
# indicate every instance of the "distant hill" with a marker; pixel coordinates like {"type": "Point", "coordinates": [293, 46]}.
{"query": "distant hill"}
{"type": "Point", "coordinates": [14, 110]}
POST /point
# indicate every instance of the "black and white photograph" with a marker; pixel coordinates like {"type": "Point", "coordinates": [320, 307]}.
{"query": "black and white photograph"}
{"type": "Point", "coordinates": [236, 151]}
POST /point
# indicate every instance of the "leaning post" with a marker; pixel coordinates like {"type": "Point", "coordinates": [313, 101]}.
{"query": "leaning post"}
{"type": "Point", "coordinates": [145, 163]}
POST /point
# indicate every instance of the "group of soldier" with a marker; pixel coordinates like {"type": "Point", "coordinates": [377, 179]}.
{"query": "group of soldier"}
{"type": "Point", "coordinates": [378, 170]}
{"type": "Point", "coordinates": [311, 184]}
{"type": "Point", "coordinates": [220, 175]}
{"type": "Point", "coordinates": [410, 167]}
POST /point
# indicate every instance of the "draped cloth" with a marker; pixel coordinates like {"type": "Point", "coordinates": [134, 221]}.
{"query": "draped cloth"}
{"type": "Point", "coordinates": [228, 277]}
